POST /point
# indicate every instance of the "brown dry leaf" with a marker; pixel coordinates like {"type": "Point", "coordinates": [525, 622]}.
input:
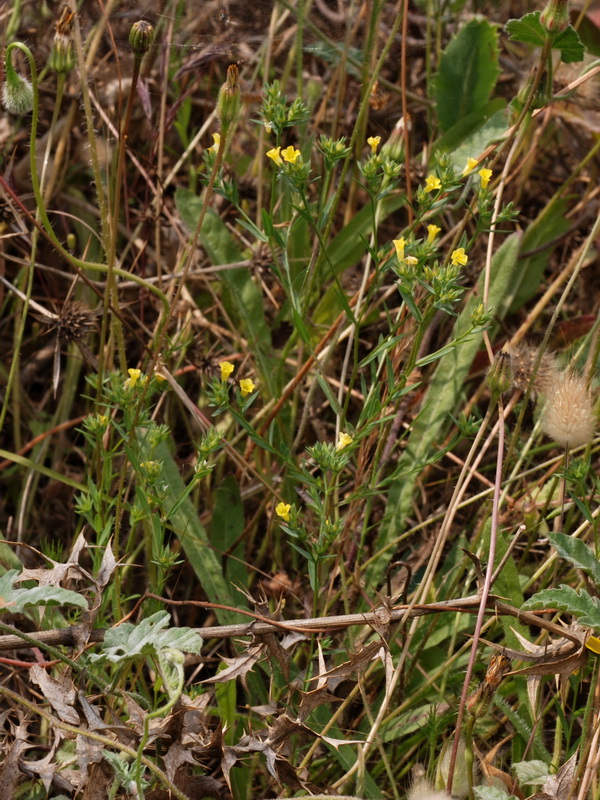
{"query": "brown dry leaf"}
{"type": "Point", "coordinates": [559, 786]}
{"type": "Point", "coordinates": [59, 574]}
{"type": "Point", "coordinates": [276, 652]}
{"type": "Point", "coordinates": [9, 771]}
{"type": "Point", "coordinates": [107, 566]}
{"type": "Point", "coordinates": [239, 666]}
{"type": "Point", "coordinates": [59, 692]}
{"type": "Point", "coordinates": [358, 662]}
{"type": "Point", "coordinates": [311, 700]}
{"type": "Point", "coordinates": [176, 756]}
{"type": "Point", "coordinates": [88, 752]}
{"type": "Point", "coordinates": [46, 768]}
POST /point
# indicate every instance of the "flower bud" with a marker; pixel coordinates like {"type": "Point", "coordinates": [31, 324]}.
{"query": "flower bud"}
{"type": "Point", "coordinates": [555, 17]}
{"type": "Point", "coordinates": [228, 104]}
{"type": "Point", "coordinates": [500, 378]}
{"type": "Point", "coordinates": [62, 57]}
{"type": "Point", "coordinates": [17, 92]}
{"type": "Point", "coordinates": [141, 37]}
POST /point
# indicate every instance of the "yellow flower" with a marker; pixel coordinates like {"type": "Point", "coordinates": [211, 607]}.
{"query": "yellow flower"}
{"type": "Point", "coordinates": [411, 261]}
{"type": "Point", "coordinates": [274, 155]}
{"type": "Point", "coordinates": [459, 257]}
{"type": "Point", "coordinates": [217, 141]}
{"type": "Point", "coordinates": [593, 643]}
{"type": "Point", "coordinates": [399, 244]}
{"type": "Point", "coordinates": [290, 154]}
{"type": "Point", "coordinates": [134, 376]}
{"type": "Point", "coordinates": [374, 141]}
{"type": "Point", "coordinates": [226, 369]}
{"type": "Point", "coordinates": [344, 440]}
{"type": "Point", "coordinates": [471, 164]}
{"type": "Point", "coordinates": [246, 386]}
{"type": "Point", "coordinates": [485, 175]}
{"type": "Point", "coordinates": [283, 510]}
{"type": "Point", "coordinates": [432, 184]}
{"type": "Point", "coordinates": [432, 232]}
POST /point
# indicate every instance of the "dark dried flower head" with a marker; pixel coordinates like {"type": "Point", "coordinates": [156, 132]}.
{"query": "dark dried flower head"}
{"type": "Point", "coordinates": [74, 322]}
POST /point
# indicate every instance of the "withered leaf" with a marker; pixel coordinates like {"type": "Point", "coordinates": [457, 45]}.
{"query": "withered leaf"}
{"type": "Point", "coordinates": [238, 666]}
{"type": "Point", "coordinates": [9, 771]}
{"type": "Point", "coordinates": [176, 756]}
{"type": "Point", "coordinates": [311, 700]}
{"type": "Point", "coordinates": [559, 786]}
{"type": "Point", "coordinates": [276, 652]}
{"type": "Point", "coordinates": [59, 692]}
{"type": "Point", "coordinates": [358, 662]}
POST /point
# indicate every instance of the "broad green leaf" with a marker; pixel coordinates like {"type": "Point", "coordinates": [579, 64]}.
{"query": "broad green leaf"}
{"type": "Point", "coordinates": [148, 637]}
{"type": "Point", "coordinates": [570, 46]}
{"type": "Point", "coordinates": [468, 72]}
{"type": "Point", "coordinates": [15, 600]}
{"type": "Point", "coordinates": [470, 136]}
{"type": "Point", "coordinates": [527, 29]}
{"type": "Point", "coordinates": [581, 605]}
{"type": "Point", "coordinates": [550, 224]}
{"type": "Point", "coordinates": [226, 529]}
{"type": "Point", "coordinates": [578, 553]}
{"type": "Point", "coordinates": [205, 562]}
{"type": "Point", "coordinates": [535, 772]}
{"type": "Point", "coordinates": [492, 793]}
{"type": "Point", "coordinates": [530, 30]}
{"type": "Point", "coordinates": [445, 392]}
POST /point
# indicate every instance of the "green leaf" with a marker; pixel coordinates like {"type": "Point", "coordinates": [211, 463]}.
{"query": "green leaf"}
{"type": "Point", "coordinates": [471, 135]}
{"type": "Point", "coordinates": [147, 638]}
{"type": "Point", "coordinates": [535, 772]}
{"type": "Point", "coordinates": [468, 72]}
{"type": "Point", "coordinates": [492, 793]}
{"type": "Point", "coordinates": [527, 29]}
{"type": "Point", "coordinates": [530, 30]}
{"type": "Point", "coordinates": [545, 230]}
{"type": "Point", "coordinates": [578, 553]}
{"type": "Point", "coordinates": [227, 527]}
{"type": "Point", "coordinates": [582, 605]}
{"type": "Point", "coordinates": [15, 600]}
{"type": "Point", "coordinates": [570, 46]}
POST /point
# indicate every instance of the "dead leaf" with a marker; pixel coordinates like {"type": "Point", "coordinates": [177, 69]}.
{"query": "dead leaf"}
{"type": "Point", "coordinates": [59, 692]}
{"type": "Point", "coordinates": [559, 786]}
{"type": "Point", "coordinates": [239, 666]}
{"type": "Point", "coordinates": [9, 771]}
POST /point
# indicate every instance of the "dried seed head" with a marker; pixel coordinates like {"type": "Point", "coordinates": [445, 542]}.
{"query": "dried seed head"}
{"type": "Point", "coordinates": [522, 360]}
{"type": "Point", "coordinates": [74, 322]}
{"type": "Point", "coordinates": [423, 790]}
{"type": "Point", "coordinates": [568, 416]}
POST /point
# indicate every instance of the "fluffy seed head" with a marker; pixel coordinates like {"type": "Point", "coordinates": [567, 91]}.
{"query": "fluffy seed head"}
{"type": "Point", "coordinates": [17, 94]}
{"type": "Point", "coordinates": [568, 416]}
{"type": "Point", "coordinates": [522, 362]}
{"type": "Point", "coordinates": [423, 790]}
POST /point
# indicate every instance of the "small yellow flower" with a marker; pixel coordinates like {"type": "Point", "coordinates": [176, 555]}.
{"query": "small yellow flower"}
{"type": "Point", "coordinates": [432, 232]}
{"type": "Point", "coordinates": [247, 386]}
{"type": "Point", "coordinates": [226, 369]}
{"type": "Point", "coordinates": [593, 643]}
{"type": "Point", "coordinates": [459, 257]}
{"type": "Point", "coordinates": [344, 440]}
{"type": "Point", "coordinates": [432, 184]}
{"type": "Point", "coordinates": [411, 261]}
{"type": "Point", "coordinates": [160, 378]}
{"type": "Point", "coordinates": [134, 376]}
{"type": "Point", "coordinates": [471, 164]}
{"type": "Point", "coordinates": [485, 175]}
{"type": "Point", "coordinates": [102, 418]}
{"type": "Point", "coordinates": [274, 156]}
{"type": "Point", "coordinates": [290, 154]}
{"type": "Point", "coordinates": [399, 244]}
{"type": "Point", "coordinates": [217, 141]}
{"type": "Point", "coordinates": [374, 141]}
{"type": "Point", "coordinates": [283, 510]}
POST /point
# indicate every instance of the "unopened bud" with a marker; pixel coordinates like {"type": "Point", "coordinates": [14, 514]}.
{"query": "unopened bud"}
{"type": "Point", "coordinates": [17, 92]}
{"type": "Point", "coordinates": [500, 378]}
{"type": "Point", "coordinates": [228, 104]}
{"type": "Point", "coordinates": [555, 16]}
{"type": "Point", "coordinates": [141, 37]}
